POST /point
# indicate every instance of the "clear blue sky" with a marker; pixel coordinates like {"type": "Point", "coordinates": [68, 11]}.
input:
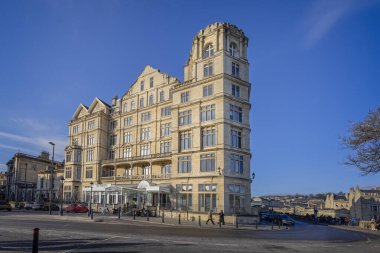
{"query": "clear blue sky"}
{"type": "Point", "coordinates": [315, 67]}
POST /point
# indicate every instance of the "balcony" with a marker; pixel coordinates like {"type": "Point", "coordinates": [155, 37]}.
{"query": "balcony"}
{"type": "Point", "coordinates": [146, 158]}
{"type": "Point", "coordinates": [142, 177]}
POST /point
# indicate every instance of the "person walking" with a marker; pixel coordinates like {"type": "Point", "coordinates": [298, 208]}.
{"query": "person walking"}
{"type": "Point", "coordinates": [221, 217]}
{"type": "Point", "coordinates": [373, 224]}
{"type": "Point", "coordinates": [210, 217]}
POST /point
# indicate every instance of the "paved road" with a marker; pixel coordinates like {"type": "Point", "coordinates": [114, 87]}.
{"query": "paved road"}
{"type": "Point", "coordinates": [78, 234]}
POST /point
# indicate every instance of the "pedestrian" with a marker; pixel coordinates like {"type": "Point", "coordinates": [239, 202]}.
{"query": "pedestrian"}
{"type": "Point", "coordinates": [373, 224]}
{"type": "Point", "coordinates": [221, 217]}
{"type": "Point", "coordinates": [210, 217]}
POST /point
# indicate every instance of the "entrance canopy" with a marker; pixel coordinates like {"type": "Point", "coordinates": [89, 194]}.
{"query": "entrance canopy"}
{"type": "Point", "coordinates": [143, 186]}
{"type": "Point", "coordinates": [164, 188]}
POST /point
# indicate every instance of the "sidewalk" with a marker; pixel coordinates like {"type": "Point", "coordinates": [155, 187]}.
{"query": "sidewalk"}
{"type": "Point", "coordinates": [356, 228]}
{"type": "Point", "coordinates": [113, 219]}
{"type": "Point", "coordinates": [184, 223]}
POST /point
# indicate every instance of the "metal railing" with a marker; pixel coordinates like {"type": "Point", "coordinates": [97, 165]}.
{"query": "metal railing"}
{"type": "Point", "coordinates": [139, 177]}
{"type": "Point", "coordinates": [138, 158]}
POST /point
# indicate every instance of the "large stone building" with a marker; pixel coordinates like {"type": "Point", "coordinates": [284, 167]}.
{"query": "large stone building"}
{"type": "Point", "coordinates": [183, 145]}
{"type": "Point", "coordinates": [365, 204]}
{"type": "Point", "coordinates": [22, 175]}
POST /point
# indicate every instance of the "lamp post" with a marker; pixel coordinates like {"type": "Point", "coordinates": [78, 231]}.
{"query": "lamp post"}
{"type": "Point", "coordinates": [253, 176]}
{"type": "Point", "coordinates": [61, 209]}
{"type": "Point", "coordinates": [51, 177]}
{"type": "Point", "coordinates": [26, 167]}
{"type": "Point", "coordinates": [91, 184]}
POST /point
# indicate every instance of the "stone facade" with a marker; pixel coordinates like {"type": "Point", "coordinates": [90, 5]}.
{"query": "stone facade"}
{"type": "Point", "coordinates": [22, 175]}
{"type": "Point", "coordinates": [192, 137]}
{"type": "Point", "coordinates": [336, 202]}
{"type": "Point", "coordinates": [365, 204]}
{"type": "Point", "coordinates": [3, 184]}
{"type": "Point", "coordinates": [49, 182]}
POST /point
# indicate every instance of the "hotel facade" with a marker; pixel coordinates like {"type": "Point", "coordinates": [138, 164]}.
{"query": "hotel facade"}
{"type": "Point", "coordinates": [167, 143]}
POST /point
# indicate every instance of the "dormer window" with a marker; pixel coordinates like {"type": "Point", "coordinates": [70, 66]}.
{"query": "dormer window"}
{"type": "Point", "coordinates": [151, 81]}
{"type": "Point", "coordinates": [142, 86]}
{"type": "Point", "coordinates": [233, 50]}
{"type": "Point", "coordinates": [209, 51]}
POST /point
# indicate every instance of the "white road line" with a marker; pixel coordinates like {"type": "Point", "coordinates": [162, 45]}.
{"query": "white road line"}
{"type": "Point", "coordinates": [89, 243]}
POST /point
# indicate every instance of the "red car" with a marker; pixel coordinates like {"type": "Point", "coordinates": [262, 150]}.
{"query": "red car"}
{"type": "Point", "coordinates": [76, 208]}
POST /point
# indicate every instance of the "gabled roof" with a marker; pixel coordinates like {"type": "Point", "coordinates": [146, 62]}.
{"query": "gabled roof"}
{"type": "Point", "coordinates": [146, 71]}
{"type": "Point", "coordinates": [79, 109]}
{"type": "Point", "coordinates": [95, 102]}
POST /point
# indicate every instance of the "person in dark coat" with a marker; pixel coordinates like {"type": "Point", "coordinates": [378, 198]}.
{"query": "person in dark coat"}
{"type": "Point", "coordinates": [210, 217]}
{"type": "Point", "coordinates": [221, 217]}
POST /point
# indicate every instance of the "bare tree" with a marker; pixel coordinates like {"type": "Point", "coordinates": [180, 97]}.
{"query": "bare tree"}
{"type": "Point", "coordinates": [364, 141]}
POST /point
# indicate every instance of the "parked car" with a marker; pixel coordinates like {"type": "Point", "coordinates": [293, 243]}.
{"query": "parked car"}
{"type": "Point", "coordinates": [36, 206]}
{"type": "Point", "coordinates": [286, 220]}
{"type": "Point", "coordinates": [76, 208]}
{"type": "Point", "coordinates": [5, 206]}
{"type": "Point", "coordinates": [54, 207]}
{"type": "Point", "coordinates": [28, 205]}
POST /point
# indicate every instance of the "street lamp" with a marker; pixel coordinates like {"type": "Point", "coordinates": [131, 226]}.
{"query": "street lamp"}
{"type": "Point", "coordinates": [253, 176]}
{"type": "Point", "coordinates": [61, 209]}
{"type": "Point", "coordinates": [26, 167]}
{"type": "Point", "coordinates": [91, 184]}
{"type": "Point", "coordinates": [51, 177]}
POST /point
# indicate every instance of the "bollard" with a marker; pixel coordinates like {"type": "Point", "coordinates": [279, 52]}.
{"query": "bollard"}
{"type": "Point", "coordinates": [134, 215]}
{"type": "Point", "coordinates": [179, 218]}
{"type": "Point", "coordinates": [163, 217]}
{"type": "Point", "coordinates": [237, 223]}
{"type": "Point", "coordinates": [220, 223]}
{"type": "Point", "coordinates": [272, 224]}
{"type": "Point", "coordinates": [279, 224]}
{"type": "Point", "coordinates": [256, 224]}
{"type": "Point", "coordinates": [119, 213]}
{"type": "Point", "coordinates": [187, 215]}
{"type": "Point", "coordinates": [147, 215]}
{"type": "Point", "coordinates": [199, 220]}
{"type": "Point", "coordinates": [36, 233]}
{"type": "Point", "coordinates": [171, 214]}
{"type": "Point", "coordinates": [92, 214]}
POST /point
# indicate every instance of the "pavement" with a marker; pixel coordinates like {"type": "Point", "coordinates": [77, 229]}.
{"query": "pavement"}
{"type": "Point", "coordinates": [113, 219]}
{"type": "Point", "coordinates": [357, 229]}
{"type": "Point", "coordinates": [78, 233]}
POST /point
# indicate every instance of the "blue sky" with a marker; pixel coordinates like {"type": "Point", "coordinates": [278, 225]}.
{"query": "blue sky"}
{"type": "Point", "coordinates": [314, 69]}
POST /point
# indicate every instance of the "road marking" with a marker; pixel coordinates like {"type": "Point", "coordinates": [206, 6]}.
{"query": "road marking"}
{"type": "Point", "coordinates": [89, 243]}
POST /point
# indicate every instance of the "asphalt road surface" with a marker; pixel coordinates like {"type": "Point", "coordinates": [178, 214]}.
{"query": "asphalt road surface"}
{"type": "Point", "coordinates": [74, 234]}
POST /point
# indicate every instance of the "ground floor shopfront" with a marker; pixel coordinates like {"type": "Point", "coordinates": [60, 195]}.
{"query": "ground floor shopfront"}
{"type": "Point", "coordinates": [180, 197]}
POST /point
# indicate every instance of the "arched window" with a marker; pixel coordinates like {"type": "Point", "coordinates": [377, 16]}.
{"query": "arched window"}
{"type": "Point", "coordinates": [233, 50]}
{"type": "Point", "coordinates": [209, 51]}
{"type": "Point", "coordinates": [141, 102]}
{"type": "Point", "coordinates": [151, 100]}
{"type": "Point", "coordinates": [132, 104]}
{"type": "Point", "coordinates": [125, 107]}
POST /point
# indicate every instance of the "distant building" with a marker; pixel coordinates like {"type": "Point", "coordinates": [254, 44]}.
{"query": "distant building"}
{"type": "Point", "coordinates": [365, 204]}
{"type": "Point", "coordinates": [3, 182]}
{"type": "Point", "coordinates": [45, 179]}
{"type": "Point", "coordinates": [334, 201]}
{"type": "Point", "coordinates": [22, 175]}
